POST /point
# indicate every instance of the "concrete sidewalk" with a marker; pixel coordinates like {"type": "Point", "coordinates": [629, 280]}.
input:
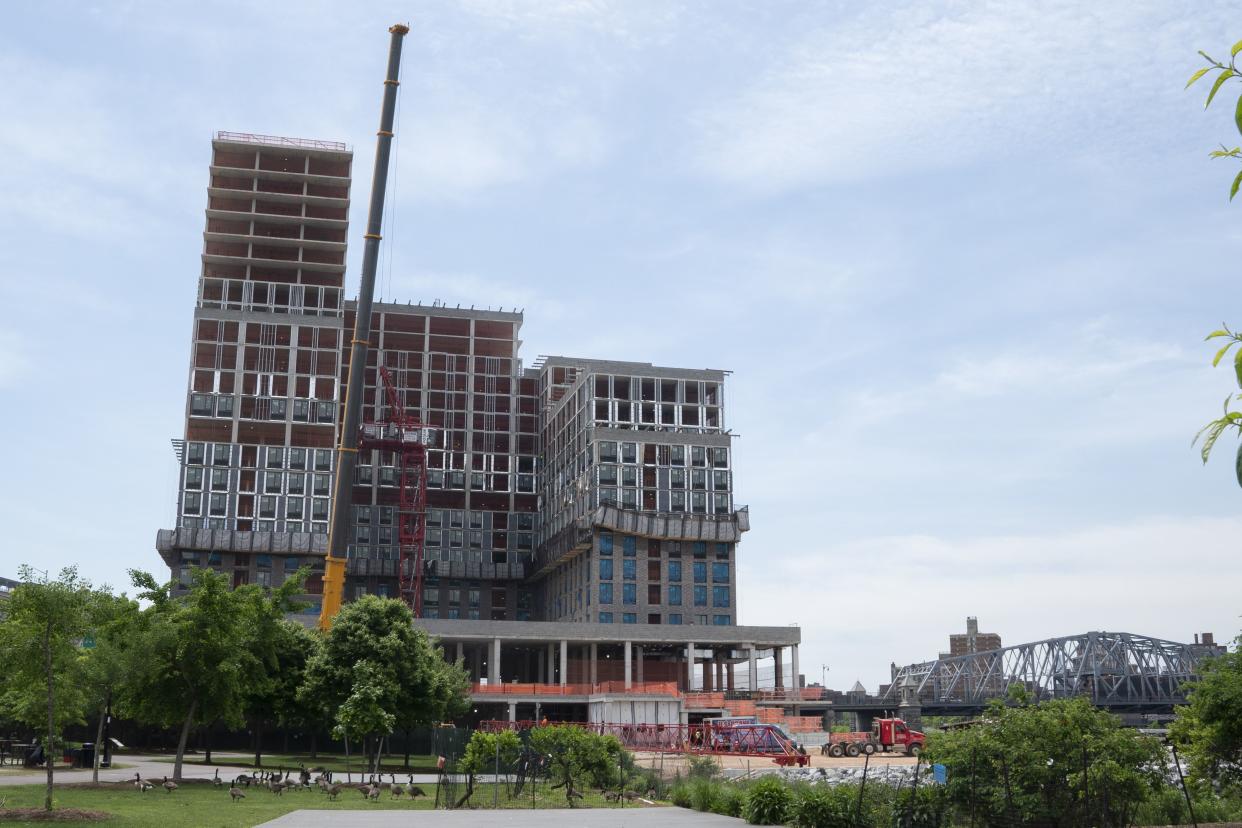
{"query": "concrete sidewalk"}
{"type": "Point", "coordinates": [515, 818]}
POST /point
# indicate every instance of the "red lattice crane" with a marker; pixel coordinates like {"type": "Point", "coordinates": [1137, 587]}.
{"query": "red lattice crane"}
{"type": "Point", "coordinates": [409, 440]}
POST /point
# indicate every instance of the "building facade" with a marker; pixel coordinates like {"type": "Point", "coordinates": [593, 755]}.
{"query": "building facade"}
{"type": "Point", "coordinates": [575, 490]}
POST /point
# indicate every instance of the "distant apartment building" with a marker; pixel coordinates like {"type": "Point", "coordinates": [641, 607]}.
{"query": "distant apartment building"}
{"type": "Point", "coordinates": [972, 641]}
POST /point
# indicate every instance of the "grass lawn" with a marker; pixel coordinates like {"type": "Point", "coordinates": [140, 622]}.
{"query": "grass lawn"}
{"type": "Point", "coordinates": [201, 804]}
{"type": "Point", "coordinates": [334, 762]}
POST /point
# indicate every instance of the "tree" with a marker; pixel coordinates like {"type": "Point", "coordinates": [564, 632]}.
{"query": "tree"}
{"type": "Point", "coordinates": [41, 657]}
{"type": "Point", "coordinates": [110, 659]}
{"type": "Point", "coordinates": [1230, 419]}
{"type": "Point", "coordinates": [1210, 726]}
{"type": "Point", "coordinates": [1061, 762]}
{"type": "Point", "coordinates": [578, 758]}
{"type": "Point", "coordinates": [375, 672]}
{"type": "Point", "coordinates": [487, 753]}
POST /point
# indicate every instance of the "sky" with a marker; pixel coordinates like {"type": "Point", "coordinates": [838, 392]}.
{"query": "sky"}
{"type": "Point", "coordinates": [960, 257]}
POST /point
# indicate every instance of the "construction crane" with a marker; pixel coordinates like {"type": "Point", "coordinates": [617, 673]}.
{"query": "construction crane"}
{"type": "Point", "coordinates": [347, 448]}
{"type": "Point", "coordinates": [408, 440]}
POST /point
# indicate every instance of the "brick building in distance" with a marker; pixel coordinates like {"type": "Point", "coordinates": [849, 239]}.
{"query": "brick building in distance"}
{"type": "Point", "coordinates": [596, 494]}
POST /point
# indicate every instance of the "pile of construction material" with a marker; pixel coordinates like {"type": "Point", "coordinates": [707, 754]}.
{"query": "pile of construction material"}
{"type": "Point", "coordinates": [896, 775]}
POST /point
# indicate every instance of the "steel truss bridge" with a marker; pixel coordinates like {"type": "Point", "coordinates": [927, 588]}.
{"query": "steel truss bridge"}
{"type": "Point", "coordinates": [1118, 671]}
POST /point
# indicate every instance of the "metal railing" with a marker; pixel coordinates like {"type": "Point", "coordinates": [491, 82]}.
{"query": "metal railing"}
{"type": "Point", "coordinates": [281, 141]}
{"type": "Point", "coordinates": [650, 688]}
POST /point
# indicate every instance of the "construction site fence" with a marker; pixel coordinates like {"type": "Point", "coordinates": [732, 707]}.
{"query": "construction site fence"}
{"type": "Point", "coordinates": [649, 688]}
{"type": "Point", "coordinates": [736, 740]}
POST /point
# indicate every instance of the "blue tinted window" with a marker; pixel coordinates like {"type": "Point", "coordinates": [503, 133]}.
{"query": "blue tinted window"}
{"type": "Point", "coordinates": [629, 593]}
{"type": "Point", "coordinates": [605, 543]}
{"type": "Point", "coordinates": [605, 570]}
{"type": "Point", "coordinates": [674, 570]}
{"type": "Point", "coordinates": [700, 572]}
{"type": "Point", "coordinates": [700, 549]}
{"type": "Point", "coordinates": [720, 620]}
{"type": "Point", "coordinates": [629, 618]}
{"type": "Point", "coordinates": [720, 596]}
{"type": "Point", "coordinates": [605, 593]}
{"type": "Point", "coordinates": [674, 595]}
{"type": "Point", "coordinates": [720, 572]}
{"type": "Point", "coordinates": [674, 618]}
{"type": "Point", "coordinates": [605, 618]}
{"type": "Point", "coordinates": [700, 596]}
{"type": "Point", "coordinates": [628, 569]}
{"type": "Point", "coordinates": [722, 551]}
{"type": "Point", "coordinates": [628, 545]}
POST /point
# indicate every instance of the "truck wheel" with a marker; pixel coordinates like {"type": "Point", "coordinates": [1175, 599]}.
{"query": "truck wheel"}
{"type": "Point", "coordinates": [868, 748]}
{"type": "Point", "coordinates": [835, 751]}
{"type": "Point", "coordinates": [914, 750]}
{"type": "Point", "coordinates": [852, 750]}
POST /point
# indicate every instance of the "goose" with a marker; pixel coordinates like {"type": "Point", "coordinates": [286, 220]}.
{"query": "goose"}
{"type": "Point", "coordinates": [169, 786]}
{"type": "Point", "coordinates": [236, 793]}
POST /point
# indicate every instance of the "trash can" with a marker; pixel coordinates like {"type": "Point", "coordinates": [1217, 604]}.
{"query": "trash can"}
{"type": "Point", "coordinates": [86, 755]}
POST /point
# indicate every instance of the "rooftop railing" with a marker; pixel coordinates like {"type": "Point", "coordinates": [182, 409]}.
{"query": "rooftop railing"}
{"type": "Point", "coordinates": [281, 141]}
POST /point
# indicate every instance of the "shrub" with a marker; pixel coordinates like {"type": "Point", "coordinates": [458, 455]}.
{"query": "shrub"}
{"type": "Point", "coordinates": [767, 802]}
{"type": "Point", "coordinates": [702, 794]}
{"type": "Point", "coordinates": [703, 767]}
{"type": "Point", "coordinates": [680, 795]}
{"type": "Point", "coordinates": [820, 806]}
{"type": "Point", "coordinates": [729, 800]}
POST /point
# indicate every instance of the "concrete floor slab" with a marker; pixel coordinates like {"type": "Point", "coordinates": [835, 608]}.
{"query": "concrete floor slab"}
{"type": "Point", "coordinates": [515, 818]}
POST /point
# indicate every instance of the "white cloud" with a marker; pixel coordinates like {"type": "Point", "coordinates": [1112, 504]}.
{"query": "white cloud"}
{"type": "Point", "coordinates": [920, 86]}
{"type": "Point", "coordinates": [863, 604]}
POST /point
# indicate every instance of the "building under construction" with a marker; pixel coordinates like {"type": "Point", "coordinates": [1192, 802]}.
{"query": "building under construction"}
{"type": "Point", "coordinates": [592, 493]}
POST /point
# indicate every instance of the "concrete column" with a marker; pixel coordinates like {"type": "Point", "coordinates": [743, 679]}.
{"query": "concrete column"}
{"type": "Point", "coordinates": [690, 667]}
{"type": "Point", "coordinates": [719, 674]}
{"type": "Point", "coordinates": [753, 674]}
{"type": "Point", "coordinates": [476, 659]}
{"type": "Point", "coordinates": [707, 674]}
{"type": "Point", "coordinates": [551, 663]}
{"type": "Point", "coordinates": [461, 653]}
{"type": "Point", "coordinates": [793, 654]}
{"type": "Point", "coordinates": [513, 711]}
{"type": "Point", "coordinates": [638, 654]}
{"type": "Point", "coordinates": [730, 677]}
{"type": "Point", "coordinates": [594, 663]}
{"type": "Point", "coordinates": [564, 662]}
{"type": "Point", "coordinates": [541, 672]}
{"type": "Point", "coordinates": [777, 654]}
{"type": "Point", "coordinates": [493, 663]}
{"type": "Point", "coordinates": [629, 681]}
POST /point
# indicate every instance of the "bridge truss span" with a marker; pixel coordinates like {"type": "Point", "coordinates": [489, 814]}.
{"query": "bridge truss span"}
{"type": "Point", "coordinates": [1116, 670]}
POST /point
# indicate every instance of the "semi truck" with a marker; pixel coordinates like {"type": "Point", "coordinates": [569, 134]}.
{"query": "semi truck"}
{"type": "Point", "coordinates": [885, 736]}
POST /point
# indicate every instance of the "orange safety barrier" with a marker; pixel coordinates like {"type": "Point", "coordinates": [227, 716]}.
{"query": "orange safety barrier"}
{"type": "Point", "coordinates": [710, 700]}
{"type": "Point", "coordinates": [660, 688]}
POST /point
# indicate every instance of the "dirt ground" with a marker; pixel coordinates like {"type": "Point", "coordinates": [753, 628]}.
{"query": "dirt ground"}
{"type": "Point", "coordinates": [669, 763]}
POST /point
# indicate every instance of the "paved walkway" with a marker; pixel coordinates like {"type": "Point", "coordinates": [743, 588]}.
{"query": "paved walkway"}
{"type": "Point", "coordinates": [559, 818]}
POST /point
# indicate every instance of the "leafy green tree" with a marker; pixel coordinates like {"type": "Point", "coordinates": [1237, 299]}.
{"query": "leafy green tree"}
{"type": "Point", "coordinates": [578, 758]}
{"type": "Point", "coordinates": [109, 660]}
{"type": "Point", "coordinates": [1061, 762]}
{"type": "Point", "coordinates": [41, 662]}
{"type": "Point", "coordinates": [1230, 419]}
{"type": "Point", "coordinates": [487, 753]}
{"type": "Point", "coordinates": [1209, 728]}
{"type": "Point", "coordinates": [376, 672]}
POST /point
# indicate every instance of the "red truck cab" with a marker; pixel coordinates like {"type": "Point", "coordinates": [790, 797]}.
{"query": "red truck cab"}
{"type": "Point", "coordinates": [894, 734]}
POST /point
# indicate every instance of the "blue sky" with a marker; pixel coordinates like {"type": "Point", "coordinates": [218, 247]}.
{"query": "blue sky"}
{"type": "Point", "coordinates": [960, 256]}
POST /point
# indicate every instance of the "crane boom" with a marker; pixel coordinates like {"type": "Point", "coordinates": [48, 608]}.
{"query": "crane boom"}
{"type": "Point", "coordinates": [347, 448]}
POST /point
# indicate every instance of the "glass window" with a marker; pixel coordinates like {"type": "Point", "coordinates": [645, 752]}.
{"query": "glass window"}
{"type": "Point", "coordinates": [720, 458]}
{"type": "Point", "coordinates": [605, 593]}
{"type": "Point", "coordinates": [674, 570]}
{"type": "Point", "coordinates": [200, 405]}
{"type": "Point", "coordinates": [301, 410]}
{"type": "Point", "coordinates": [219, 479]}
{"type": "Point", "coordinates": [275, 458]}
{"type": "Point", "coordinates": [679, 502]}
{"type": "Point", "coordinates": [220, 454]}
{"type": "Point", "coordinates": [720, 620]}
{"type": "Point", "coordinates": [323, 484]}
{"type": "Point", "coordinates": [605, 543]}
{"type": "Point", "coordinates": [192, 503]}
{"type": "Point", "coordinates": [720, 596]}
{"type": "Point", "coordinates": [272, 481]}
{"type": "Point", "coordinates": [674, 618]}
{"type": "Point", "coordinates": [319, 508]}
{"type": "Point", "coordinates": [720, 481]}
{"type": "Point", "coordinates": [698, 503]}
{"type": "Point", "coordinates": [193, 478]}
{"type": "Point", "coordinates": [323, 459]}
{"type": "Point", "coordinates": [263, 561]}
{"type": "Point", "coordinates": [608, 475]}
{"type": "Point", "coordinates": [607, 451]}
{"type": "Point", "coordinates": [297, 484]}
{"type": "Point", "coordinates": [605, 569]}
{"type": "Point", "coordinates": [605, 618]}
{"type": "Point", "coordinates": [628, 569]}
{"type": "Point", "coordinates": [291, 564]}
{"type": "Point", "coordinates": [700, 596]}
{"type": "Point", "coordinates": [194, 454]}
{"type": "Point", "coordinates": [267, 507]}
{"type": "Point", "coordinates": [629, 618]}
{"type": "Point", "coordinates": [700, 572]}
{"type": "Point", "coordinates": [362, 514]}
{"type": "Point", "coordinates": [293, 508]}
{"type": "Point", "coordinates": [278, 409]}
{"type": "Point", "coordinates": [629, 453]}
{"type": "Point", "coordinates": [629, 593]}
{"type": "Point", "coordinates": [698, 456]}
{"type": "Point", "coordinates": [224, 406]}
{"type": "Point", "coordinates": [629, 546]}
{"type": "Point", "coordinates": [720, 572]}
{"type": "Point", "coordinates": [700, 549]}
{"type": "Point", "coordinates": [674, 594]}
{"type": "Point", "coordinates": [325, 412]}
{"type": "Point", "coordinates": [297, 458]}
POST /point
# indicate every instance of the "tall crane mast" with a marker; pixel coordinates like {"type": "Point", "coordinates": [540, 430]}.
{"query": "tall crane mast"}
{"type": "Point", "coordinates": [347, 449]}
